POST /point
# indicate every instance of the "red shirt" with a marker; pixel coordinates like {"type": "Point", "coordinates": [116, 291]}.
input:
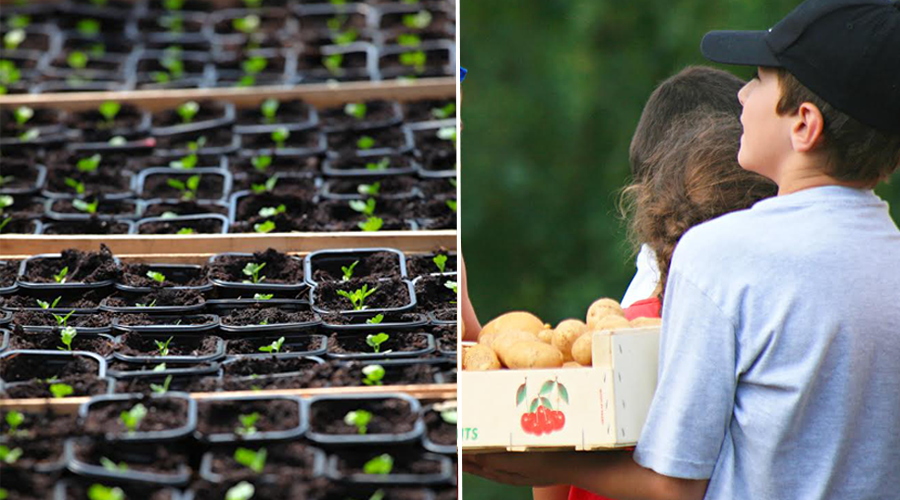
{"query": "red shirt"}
{"type": "Point", "coordinates": [647, 308]}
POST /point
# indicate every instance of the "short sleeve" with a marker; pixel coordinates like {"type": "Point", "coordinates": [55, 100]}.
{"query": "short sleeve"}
{"type": "Point", "coordinates": [694, 398]}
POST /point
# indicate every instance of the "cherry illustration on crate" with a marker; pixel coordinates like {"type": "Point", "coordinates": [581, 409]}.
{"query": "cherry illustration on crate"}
{"type": "Point", "coordinates": [541, 418]}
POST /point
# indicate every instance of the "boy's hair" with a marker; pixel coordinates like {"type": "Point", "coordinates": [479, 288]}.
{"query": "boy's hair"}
{"type": "Point", "coordinates": [693, 88]}
{"type": "Point", "coordinates": [692, 177]}
{"type": "Point", "coordinates": [856, 152]}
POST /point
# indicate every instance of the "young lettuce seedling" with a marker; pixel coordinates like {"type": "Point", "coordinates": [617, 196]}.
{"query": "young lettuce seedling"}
{"type": "Point", "coordinates": [333, 64]}
{"type": "Point", "coordinates": [248, 423]}
{"type": "Point", "coordinates": [440, 261]}
{"type": "Point", "coordinates": [273, 347]}
{"type": "Point", "coordinates": [447, 134]}
{"type": "Point", "coordinates": [247, 24]}
{"type": "Point", "coordinates": [151, 304]}
{"type": "Point", "coordinates": [77, 60]}
{"type": "Point", "coordinates": [348, 271]}
{"type": "Point", "coordinates": [268, 187]}
{"type": "Point", "coordinates": [252, 67]}
{"type": "Point", "coordinates": [66, 336]}
{"type": "Point", "coordinates": [60, 391]}
{"type": "Point", "coordinates": [418, 21]}
{"type": "Point", "coordinates": [382, 464]}
{"type": "Point", "coordinates": [171, 5]}
{"type": "Point", "coordinates": [360, 419]}
{"type": "Point", "coordinates": [374, 374]}
{"type": "Point", "coordinates": [9, 74]}
{"type": "Point", "coordinates": [185, 230]}
{"type": "Point", "coordinates": [240, 491]}
{"type": "Point", "coordinates": [13, 39]}
{"type": "Point", "coordinates": [445, 112]}
{"type": "Point", "coordinates": [63, 320]}
{"type": "Point", "coordinates": [100, 492]}
{"type": "Point", "coordinates": [156, 276]}
{"type": "Point", "coordinates": [159, 368]}
{"type": "Point", "coordinates": [409, 40]}
{"type": "Point", "coordinates": [161, 389]}
{"type": "Point", "coordinates": [109, 110]}
{"type": "Point", "coordinates": [280, 135]}
{"type": "Point", "coordinates": [78, 186]}
{"type": "Point", "coordinates": [163, 347]}
{"type": "Point", "coordinates": [30, 135]}
{"type": "Point", "coordinates": [132, 418]}
{"type": "Point", "coordinates": [60, 277]}
{"type": "Point", "coordinates": [376, 320]}
{"type": "Point", "coordinates": [384, 164]}
{"type": "Point", "coordinates": [272, 211]}
{"type": "Point", "coordinates": [23, 114]}
{"type": "Point", "coordinates": [371, 224]}
{"type": "Point", "coordinates": [364, 207]}
{"type": "Point", "coordinates": [188, 189]}
{"type": "Point", "coordinates": [252, 270]}
{"type": "Point", "coordinates": [261, 163]}
{"type": "Point", "coordinates": [451, 204]}
{"type": "Point", "coordinates": [188, 111]}
{"type": "Point", "coordinates": [254, 460]}
{"type": "Point", "coordinates": [369, 189]}
{"type": "Point", "coordinates": [358, 297]}
{"type": "Point", "coordinates": [356, 110]}
{"type": "Point", "coordinates": [85, 206]}
{"type": "Point", "coordinates": [269, 110]}
{"type": "Point", "coordinates": [111, 466]}
{"type": "Point", "coordinates": [416, 59]}
{"type": "Point", "coordinates": [344, 37]}
{"type": "Point", "coordinates": [14, 419]}
{"type": "Point", "coordinates": [375, 341]}
{"type": "Point", "coordinates": [365, 143]}
{"type": "Point", "coordinates": [452, 286]}
{"type": "Point", "coordinates": [263, 296]}
{"type": "Point", "coordinates": [48, 305]}
{"type": "Point", "coordinates": [264, 227]}
{"type": "Point", "coordinates": [450, 416]}
{"type": "Point", "coordinates": [9, 456]}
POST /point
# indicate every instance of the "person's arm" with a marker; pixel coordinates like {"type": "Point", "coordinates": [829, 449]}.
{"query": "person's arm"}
{"type": "Point", "coordinates": [468, 312]}
{"type": "Point", "coordinates": [559, 492]}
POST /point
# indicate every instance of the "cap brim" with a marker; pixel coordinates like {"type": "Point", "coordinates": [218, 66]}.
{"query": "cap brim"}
{"type": "Point", "coordinates": [747, 48]}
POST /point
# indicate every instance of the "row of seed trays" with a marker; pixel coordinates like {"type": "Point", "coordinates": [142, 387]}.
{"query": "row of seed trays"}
{"type": "Point", "coordinates": [95, 45]}
{"type": "Point", "coordinates": [209, 167]}
{"type": "Point", "coordinates": [195, 373]}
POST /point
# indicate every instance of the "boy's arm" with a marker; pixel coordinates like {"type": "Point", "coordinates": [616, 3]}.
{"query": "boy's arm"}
{"type": "Point", "coordinates": [468, 312]}
{"type": "Point", "coordinates": [560, 492]}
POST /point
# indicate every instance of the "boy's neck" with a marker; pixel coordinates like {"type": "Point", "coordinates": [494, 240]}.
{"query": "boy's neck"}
{"type": "Point", "coordinates": [807, 176]}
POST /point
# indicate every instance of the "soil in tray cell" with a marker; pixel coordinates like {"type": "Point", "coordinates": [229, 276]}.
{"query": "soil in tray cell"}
{"type": "Point", "coordinates": [87, 267]}
{"type": "Point", "coordinates": [9, 272]}
{"type": "Point", "coordinates": [135, 275]}
{"type": "Point", "coordinates": [446, 337]}
{"type": "Point", "coordinates": [81, 385]}
{"type": "Point", "coordinates": [104, 207]}
{"type": "Point", "coordinates": [288, 460]}
{"type": "Point", "coordinates": [19, 226]}
{"type": "Point", "coordinates": [266, 316]}
{"type": "Point", "coordinates": [389, 416]}
{"type": "Point", "coordinates": [23, 484]}
{"type": "Point", "coordinates": [251, 346]}
{"type": "Point", "coordinates": [279, 164]}
{"type": "Point", "coordinates": [348, 143]}
{"type": "Point", "coordinates": [209, 110]}
{"type": "Point", "coordinates": [446, 314]}
{"type": "Point", "coordinates": [154, 458]}
{"type": "Point", "coordinates": [419, 265]}
{"type": "Point", "coordinates": [269, 366]}
{"type": "Point", "coordinates": [20, 340]}
{"type": "Point", "coordinates": [279, 267]}
{"type": "Point", "coordinates": [216, 138]}
{"type": "Point", "coordinates": [18, 174]}
{"type": "Point", "coordinates": [294, 187]}
{"type": "Point", "coordinates": [435, 292]}
{"type": "Point", "coordinates": [296, 216]}
{"type": "Point", "coordinates": [135, 344]}
{"type": "Point", "coordinates": [96, 183]}
{"type": "Point", "coordinates": [339, 319]}
{"type": "Point", "coordinates": [388, 294]}
{"type": "Point", "coordinates": [251, 374]}
{"type": "Point", "coordinates": [351, 375]}
{"type": "Point", "coordinates": [163, 414]}
{"type": "Point", "coordinates": [68, 301]}
{"type": "Point", "coordinates": [79, 489]}
{"type": "Point", "coordinates": [158, 298]}
{"type": "Point", "coordinates": [92, 226]}
{"type": "Point", "coordinates": [431, 109]}
{"type": "Point", "coordinates": [37, 452]}
{"type": "Point", "coordinates": [42, 425]}
{"type": "Point", "coordinates": [334, 491]}
{"type": "Point", "coordinates": [288, 112]}
{"type": "Point", "coordinates": [340, 216]}
{"type": "Point", "coordinates": [434, 188]}
{"type": "Point", "coordinates": [356, 344]}
{"type": "Point", "coordinates": [283, 488]}
{"type": "Point", "coordinates": [199, 226]}
{"type": "Point", "coordinates": [407, 460]}
{"type": "Point", "coordinates": [148, 320]}
{"type": "Point", "coordinates": [95, 127]}
{"type": "Point", "coordinates": [388, 186]}
{"type": "Point", "coordinates": [439, 431]}
{"type": "Point", "coordinates": [224, 417]}
{"type": "Point", "coordinates": [375, 265]}
{"type": "Point", "coordinates": [183, 208]}
{"type": "Point", "coordinates": [372, 113]}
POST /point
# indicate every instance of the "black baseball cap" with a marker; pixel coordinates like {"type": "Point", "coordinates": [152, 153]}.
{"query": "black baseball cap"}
{"type": "Point", "coordinates": [846, 51]}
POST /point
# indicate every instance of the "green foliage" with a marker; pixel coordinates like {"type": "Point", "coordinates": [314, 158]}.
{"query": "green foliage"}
{"type": "Point", "coordinates": [261, 163]}
{"type": "Point", "coordinates": [132, 418]}
{"type": "Point", "coordinates": [109, 110]}
{"type": "Point", "coordinates": [369, 189]}
{"type": "Point", "coordinates": [188, 111]}
{"type": "Point", "coordinates": [365, 143]}
{"type": "Point", "coordinates": [60, 277]}
{"type": "Point", "coordinates": [242, 490]}
{"type": "Point", "coordinates": [254, 460]}
{"type": "Point", "coordinates": [60, 391]}
{"type": "Point", "coordinates": [188, 188]}
{"type": "Point", "coordinates": [264, 227]}
{"type": "Point", "coordinates": [356, 110]}
{"type": "Point", "coordinates": [89, 164]}
{"type": "Point", "coordinates": [77, 60]}
{"type": "Point", "coordinates": [371, 224]}
{"type": "Point", "coordinates": [373, 375]}
{"type": "Point", "coordinates": [263, 296]}
{"type": "Point", "coordinates": [451, 204]}
{"type": "Point", "coordinates": [252, 270]}
{"type": "Point", "coordinates": [9, 74]}
{"type": "Point", "coordinates": [164, 388]}
{"type": "Point", "coordinates": [23, 114]}
{"type": "Point", "coordinates": [358, 297]}
{"type": "Point", "coordinates": [173, 4]}
{"type": "Point", "coordinates": [280, 135]}
{"type": "Point", "coordinates": [12, 39]}
{"type": "Point", "coordinates": [364, 207]}
{"type": "Point", "coordinates": [111, 466]}
{"type": "Point", "coordinates": [185, 230]}
{"type": "Point", "coordinates": [273, 347]}
{"type": "Point", "coordinates": [88, 27]}
{"type": "Point", "coordinates": [382, 465]}
{"type": "Point", "coordinates": [272, 211]}
{"type": "Point", "coordinates": [440, 261]}
{"type": "Point", "coordinates": [418, 21]}
{"type": "Point", "coordinates": [409, 40]}
{"type": "Point", "coordinates": [247, 24]}
{"type": "Point", "coordinates": [62, 320]}
{"type": "Point", "coordinates": [266, 187]}
{"type": "Point", "coordinates": [333, 63]}
{"type": "Point", "coordinates": [248, 424]}
{"type": "Point", "coordinates": [443, 113]}
{"type": "Point", "coordinates": [14, 419]}
{"type": "Point", "coordinates": [156, 276]}
{"type": "Point", "coordinates": [360, 419]}
{"type": "Point", "coordinates": [269, 110]}
{"type": "Point", "coordinates": [348, 271]}
{"type": "Point", "coordinates": [383, 164]}
{"type": "Point", "coordinates": [151, 304]}
{"type": "Point", "coordinates": [376, 320]}
{"type": "Point", "coordinates": [375, 341]}
{"type": "Point", "coordinates": [100, 492]}
{"type": "Point", "coordinates": [162, 348]}
{"type": "Point", "coordinates": [48, 305]}
{"type": "Point", "coordinates": [66, 336]}
{"type": "Point", "coordinates": [450, 416]}
{"type": "Point", "coordinates": [344, 37]}
{"type": "Point", "coordinates": [416, 59]}
{"type": "Point", "coordinates": [86, 207]}
{"type": "Point", "coordinates": [9, 456]}
{"type": "Point", "coordinates": [78, 186]}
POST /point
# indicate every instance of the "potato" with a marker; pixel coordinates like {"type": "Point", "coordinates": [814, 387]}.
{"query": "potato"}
{"type": "Point", "coordinates": [602, 308]}
{"type": "Point", "coordinates": [611, 323]}
{"type": "Point", "coordinates": [565, 334]}
{"type": "Point", "coordinates": [546, 335]}
{"type": "Point", "coordinates": [488, 339]}
{"type": "Point", "coordinates": [571, 364]}
{"type": "Point", "coordinates": [532, 354]}
{"type": "Point", "coordinates": [480, 358]}
{"type": "Point", "coordinates": [503, 341]}
{"type": "Point", "coordinates": [581, 349]}
{"type": "Point", "coordinates": [642, 322]}
{"type": "Point", "coordinates": [516, 320]}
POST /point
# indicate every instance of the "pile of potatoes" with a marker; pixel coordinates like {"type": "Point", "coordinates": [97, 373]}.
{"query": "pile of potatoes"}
{"type": "Point", "coordinates": [520, 340]}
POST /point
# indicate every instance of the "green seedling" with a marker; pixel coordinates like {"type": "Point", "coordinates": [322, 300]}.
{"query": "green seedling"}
{"type": "Point", "coordinates": [358, 297]}
{"type": "Point", "coordinates": [440, 261]}
{"type": "Point", "coordinates": [269, 110]}
{"type": "Point", "coordinates": [132, 418]}
{"type": "Point", "coordinates": [247, 24]}
{"type": "Point", "coordinates": [447, 134]}
{"type": "Point", "coordinates": [23, 114]}
{"type": "Point", "coordinates": [418, 21]}
{"type": "Point", "coordinates": [161, 389]}
{"type": "Point", "coordinates": [263, 296]}
{"type": "Point", "coordinates": [173, 4]}
{"type": "Point", "coordinates": [4, 223]}
{"type": "Point", "coordinates": [365, 143]}
{"type": "Point", "coordinates": [452, 286]}
{"type": "Point", "coordinates": [264, 227]}
{"type": "Point", "coordinates": [450, 416]}
{"type": "Point", "coordinates": [89, 164]}
{"type": "Point", "coordinates": [453, 182]}
{"type": "Point", "coordinates": [151, 304]}
{"type": "Point", "coordinates": [14, 419]}
{"type": "Point", "coordinates": [371, 224]}
{"type": "Point", "coordinates": [30, 135]}
{"type": "Point", "coordinates": [86, 207]}
{"type": "Point", "coordinates": [384, 164]}
{"type": "Point", "coordinates": [159, 368]}
{"type": "Point", "coordinates": [240, 491]}
{"type": "Point", "coordinates": [188, 188]}
{"type": "Point", "coordinates": [253, 4]}
{"type": "Point", "coordinates": [360, 419]}
{"type": "Point", "coordinates": [273, 347]}
{"type": "Point", "coordinates": [13, 39]}
{"type": "Point", "coordinates": [374, 374]}
{"type": "Point", "coordinates": [174, 23]}
{"type": "Point", "coordinates": [60, 277]}
{"type": "Point", "coordinates": [248, 423]}
{"type": "Point", "coordinates": [252, 270]}
{"type": "Point", "coordinates": [77, 60]}
{"type": "Point", "coordinates": [337, 22]}
{"type": "Point", "coordinates": [111, 466]}
{"type": "Point", "coordinates": [344, 37]}
{"type": "Point", "coordinates": [67, 336]}
{"type": "Point", "coordinates": [9, 456]}
{"type": "Point", "coordinates": [382, 465]}
{"type": "Point", "coordinates": [78, 186]}
{"type": "Point", "coordinates": [156, 276]}
{"type": "Point", "coordinates": [272, 211]}
{"type": "Point", "coordinates": [266, 187]}
{"type": "Point", "coordinates": [88, 27]}
{"type": "Point", "coordinates": [117, 141]}
{"type": "Point", "coordinates": [109, 110]}
{"type": "Point", "coordinates": [356, 110]}
{"type": "Point", "coordinates": [451, 204]}
{"type": "Point", "coordinates": [445, 112]}
{"type": "Point", "coordinates": [376, 320]}
{"type": "Point", "coordinates": [254, 460]}
{"type": "Point", "coordinates": [6, 200]}
{"type": "Point", "coordinates": [185, 230]}
{"type": "Point", "coordinates": [163, 347]}
{"type": "Point", "coordinates": [364, 207]}
{"type": "Point", "coordinates": [188, 111]}
{"type": "Point", "coordinates": [348, 271]}
{"type": "Point", "coordinates": [60, 391]}
{"type": "Point", "coordinates": [416, 59]}
{"type": "Point", "coordinates": [252, 67]}
{"type": "Point", "coordinates": [261, 163]}
{"type": "Point", "coordinates": [62, 320]}
{"type": "Point", "coordinates": [280, 135]}
{"type": "Point", "coordinates": [19, 21]}
{"type": "Point", "coordinates": [99, 3]}
{"type": "Point", "coordinates": [409, 40]}
{"type": "Point", "coordinates": [9, 74]}
{"type": "Point", "coordinates": [333, 63]}
{"type": "Point", "coordinates": [369, 189]}
{"type": "Point", "coordinates": [4, 494]}
{"type": "Point", "coordinates": [264, 322]}
{"type": "Point", "coordinates": [375, 341]}
{"type": "Point", "coordinates": [100, 492]}
{"type": "Point", "coordinates": [48, 305]}
{"type": "Point", "coordinates": [186, 162]}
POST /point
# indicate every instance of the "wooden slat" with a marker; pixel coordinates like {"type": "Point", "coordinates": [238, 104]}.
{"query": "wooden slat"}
{"type": "Point", "coordinates": [70, 405]}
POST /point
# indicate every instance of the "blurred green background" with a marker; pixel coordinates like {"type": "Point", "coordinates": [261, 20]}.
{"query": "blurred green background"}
{"type": "Point", "coordinates": [554, 91]}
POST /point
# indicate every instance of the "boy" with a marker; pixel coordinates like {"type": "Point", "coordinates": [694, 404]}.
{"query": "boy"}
{"type": "Point", "coordinates": [780, 348]}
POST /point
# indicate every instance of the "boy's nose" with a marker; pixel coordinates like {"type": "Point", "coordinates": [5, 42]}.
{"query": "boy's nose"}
{"type": "Point", "coordinates": [742, 94]}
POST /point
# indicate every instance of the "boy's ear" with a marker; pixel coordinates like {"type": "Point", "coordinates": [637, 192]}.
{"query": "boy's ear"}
{"type": "Point", "coordinates": [807, 129]}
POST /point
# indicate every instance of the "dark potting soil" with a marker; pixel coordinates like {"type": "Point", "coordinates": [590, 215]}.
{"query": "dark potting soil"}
{"type": "Point", "coordinates": [407, 460]}
{"type": "Point", "coordinates": [92, 226]}
{"type": "Point", "coordinates": [397, 342]}
{"type": "Point", "coordinates": [159, 298]}
{"type": "Point", "coordinates": [294, 460]}
{"type": "Point", "coordinates": [37, 452]}
{"type": "Point", "coordinates": [270, 22]}
{"type": "Point", "coordinates": [212, 187]}
{"type": "Point", "coordinates": [335, 215]}
{"type": "Point", "coordinates": [209, 110]}
{"type": "Point", "coordinates": [95, 128]}
{"type": "Point", "coordinates": [345, 143]}
{"type": "Point", "coordinates": [433, 188]}
{"type": "Point", "coordinates": [19, 226]}
{"type": "Point", "coordinates": [383, 164]}
{"type": "Point", "coordinates": [160, 459]}
{"type": "Point", "coordinates": [135, 344]}
{"type": "Point", "coordinates": [340, 319]}
{"type": "Point", "coordinates": [436, 214]}
{"type": "Point", "coordinates": [81, 386]}
{"type": "Point", "coordinates": [9, 272]}
{"type": "Point", "coordinates": [389, 416]}
{"type": "Point", "coordinates": [378, 112]}
{"type": "Point", "coordinates": [279, 267]}
{"type": "Point", "coordinates": [183, 208]}
{"type": "Point", "coordinates": [419, 265]}
{"type": "Point", "coordinates": [266, 316]}
{"type": "Point", "coordinates": [23, 484]}
{"type": "Point", "coordinates": [215, 138]}
{"type": "Point", "coordinates": [283, 488]}
{"type": "Point", "coordinates": [136, 275]}
{"type": "Point", "coordinates": [351, 375]}
{"type": "Point", "coordinates": [104, 207]}
{"type": "Point", "coordinates": [427, 110]}
{"type": "Point", "coordinates": [446, 315]}
{"type": "Point", "coordinates": [432, 293]}
{"type": "Point", "coordinates": [375, 265]}
{"type": "Point", "coordinates": [290, 112]}
{"type": "Point", "coordinates": [87, 300]}
{"type": "Point", "coordinates": [200, 226]}
{"type": "Point", "coordinates": [252, 345]}
{"type": "Point", "coordinates": [387, 186]}
{"type": "Point", "coordinates": [222, 417]}
{"type": "Point", "coordinates": [284, 223]}
{"type": "Point", "coordinates": [298, 215]}
{"type": "Point", "coordinates": [51, 342]}
{"type": "Point", "coordinates": [387, 295]}
{"type": "Point", "coordinates": [18, 173]}
{"type": "Point", "coordinates": [439, 431]}
{"type": "Point", "coordinates": [97, 183]}
{"type": "Point", "coordinates": [144, 385]}
{"type": "Point", "coordinates": [441, 157]}
{"type": "Point", "coordinates": [43, 426]}
{"type": "Point", "coordinates": [162, 414]}
{"type": "Point", "coordinates": [447, 340]}
{"type": "Point", "coordinates": [436, 60]}
{"type": "Point", "coordinates": [150, 320]}
{"type": "Point", "coordinates": [280, 164]}
{"type": "Point", "coordinates": [42, 116]}
{"type": "Point", "coordinates": [79, 489]}
{"type": "Point", "coordinates": [334, 491]}
{"type": "Point", "coordinates": [264, 366]}
{"type": "Point", "coordinates": [451, 494]}
{"type": "Point", "coordinates": [87, 267]}
{"type": "Point", "coordinates": [22, 368]}
{"type": "Point", "coordinates": [297, 187]}
{"type": "Point", "coordinates": [25, 207]}
{"type": "Point", "coordinates": [305, 139]}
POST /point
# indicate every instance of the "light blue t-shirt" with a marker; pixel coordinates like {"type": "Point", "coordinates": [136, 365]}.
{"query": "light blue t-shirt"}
{"type": "Point", "coordinates": [779, 370]}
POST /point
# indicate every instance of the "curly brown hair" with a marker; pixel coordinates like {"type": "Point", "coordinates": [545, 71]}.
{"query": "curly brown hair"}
{"type": "Point", "coordinates": [693, 177]}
